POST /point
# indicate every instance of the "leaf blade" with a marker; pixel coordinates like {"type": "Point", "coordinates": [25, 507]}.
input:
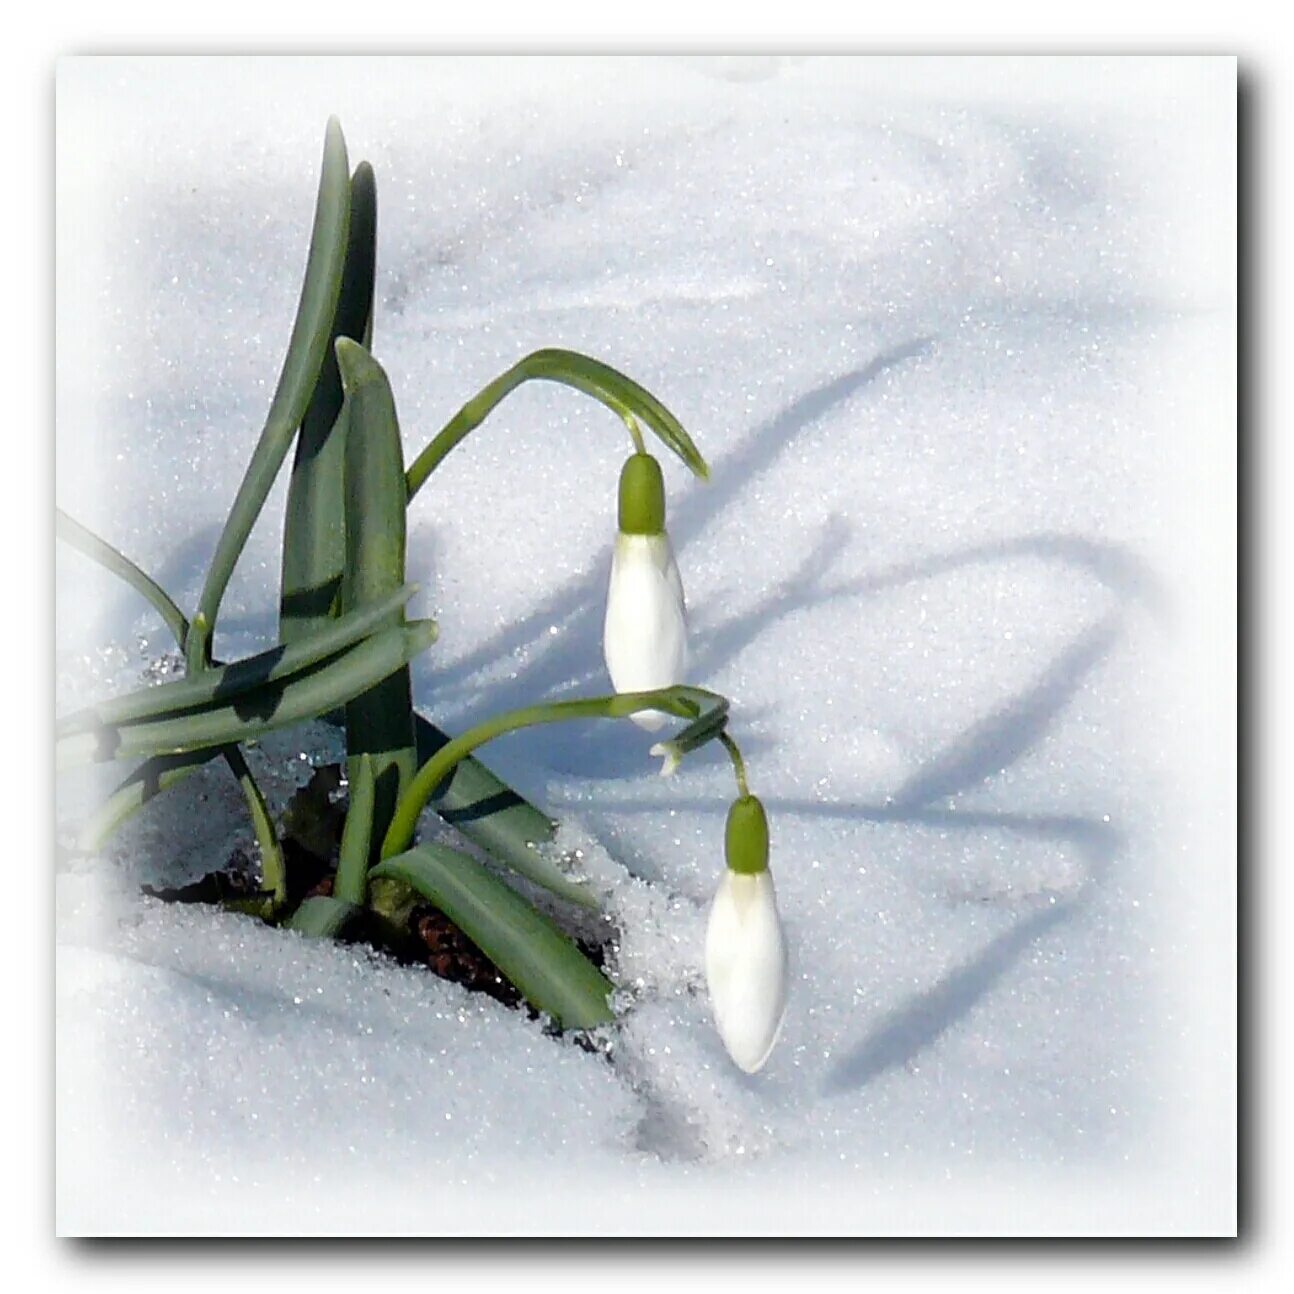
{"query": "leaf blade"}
{"type": "Point", "coordinates": [297, 378]}
{"type": "Point", "coordinates": [495, 818]}
{"type": "Point", "coordinates": [305, 696]}
{"type": "Point", "coordinates": [150, 779]}
{"type": "Point", "coordinates": [542, 962]}
{"type": "Point", "coordinates": [225, 684]}
{"type": "Point", "coordinates": [86, 542]}
{"type": "Point", "coordinates": [323, 917]}
{"type": "Point", "coordinates": [379, 721]}
{"type": "Point", "coordinates": [314, 530]}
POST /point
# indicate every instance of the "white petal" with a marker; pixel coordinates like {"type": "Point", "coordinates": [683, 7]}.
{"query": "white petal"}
{"type": "Point", "coordinates": [672, 575]}
{"type": "Point", "coordinates": [645, 635]}
{"type": "Point", "coordinates": [745, 967]}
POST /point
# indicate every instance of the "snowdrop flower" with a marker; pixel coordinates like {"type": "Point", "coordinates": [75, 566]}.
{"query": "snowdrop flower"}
{"type": "Point", "coordinates": [645, 634]}
{"type": "Point", "coordinates": [745, 953]}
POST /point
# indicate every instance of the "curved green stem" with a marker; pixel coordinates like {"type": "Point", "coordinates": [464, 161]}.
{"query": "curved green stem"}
{"type": "Point", "coordinates": [738, 764]}
{"type": "Point", "coordinates": [622, 395]}
{"type": "Point", "coordinates": [635, 433]}
{"type": "Point", "coordinates": [274, 872]}
{"type": "Point", "coordinates": [684, 702]}
{"type": "Point", "coordinates": [87, 542]}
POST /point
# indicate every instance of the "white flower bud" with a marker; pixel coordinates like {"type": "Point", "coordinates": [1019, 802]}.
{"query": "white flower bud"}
{"type": "Point", "coordinates": [645, 634]}
{"type": "Point", "coordinates": [745, 966]}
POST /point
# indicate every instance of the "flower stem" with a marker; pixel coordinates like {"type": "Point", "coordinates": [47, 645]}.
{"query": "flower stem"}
{"type": "Point", "coordinates": [620, 394]}
{"type": "Point", "coordinates": [635, 432]}
{"type": "Point", "coordinates": [738, 764]}
{"type": "Point", "coordinates": [684, 702]}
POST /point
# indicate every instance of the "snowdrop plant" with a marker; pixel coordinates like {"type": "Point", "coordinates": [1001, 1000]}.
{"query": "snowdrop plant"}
{"type": "Point", "coordinates": [343, 655]}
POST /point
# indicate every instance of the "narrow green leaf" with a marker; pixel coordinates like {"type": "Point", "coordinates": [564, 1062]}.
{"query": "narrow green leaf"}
{"type": "Point", "coordinates": [619, 393]}
{"type": "Point", "coordinates": [323, 917]}
{"type": "Point", "coordinates": [490, 814]}
{"type": "Point", "coordinates": [274, 874]}
{"type": "Point", "coordinates": [161, 772]}
{"type": "Point", "coordinates": [151, 778]}
{"type": "Point", "coordinates": [306, 350]}
{"type": "Point", "coordinates": [379, 722]}
{"type": "Point", "coordinates": [357, 831]}
{"type": "Point", "coordinates": [227, 684]}
{"type": "Point", "coordinates": [544, 964]}
{"type": "Point", "coordinates": [275, 705]}
{"type": "Point", "coordinates": [87, 542]}
{"type": "Point", "coordinates": [487, 811]}
{"type": "Point", "coordinates": [314, 533]}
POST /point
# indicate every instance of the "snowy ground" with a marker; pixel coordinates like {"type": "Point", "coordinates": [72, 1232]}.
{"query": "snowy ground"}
{"type": "Point", "coordinates": [957, 338]}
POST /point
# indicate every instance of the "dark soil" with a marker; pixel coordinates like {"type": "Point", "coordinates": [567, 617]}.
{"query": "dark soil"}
{"type": "Point", "coordinates": [453, 956]}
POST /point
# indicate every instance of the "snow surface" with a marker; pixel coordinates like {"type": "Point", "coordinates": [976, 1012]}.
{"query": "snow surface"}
{"type": "Point", "coordinates": [957, 337]}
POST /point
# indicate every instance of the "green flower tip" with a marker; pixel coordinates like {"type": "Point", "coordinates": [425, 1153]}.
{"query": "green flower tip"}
{"type": "Point", "coordinates": [745, 842]}
{"type": "Point", "coordinates": [642, 496]}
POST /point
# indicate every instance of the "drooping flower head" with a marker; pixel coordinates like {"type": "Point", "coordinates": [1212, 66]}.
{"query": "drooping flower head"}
{"type": "Point", "coordinates": [645, 633]}
{"type": "Point", "coordinates": [745, 952]}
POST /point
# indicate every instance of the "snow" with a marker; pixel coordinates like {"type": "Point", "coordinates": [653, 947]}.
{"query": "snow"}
{"type": "Point", "coordinates": [957, 338]}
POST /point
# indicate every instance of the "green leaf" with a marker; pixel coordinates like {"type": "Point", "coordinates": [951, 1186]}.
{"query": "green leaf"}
{"type": "Point", "coordinates": [314, 531]}
{"type": "Point", "coordinates": [151, 778]}
{"type": "Point", "coordinates": [496, 819]}
{"type": "Point", "coordinates": [544, 964]}
{"type": "Point", "coordinates": [227, 684]}
{"type": "Point", "coordinates": [619, 393]}
{"type": "Point", "coordinates": [323, 917]}
{"type": "Point", "coordinates": [87, 542]}
{"type": "Point", "coordinates": [307, 695]}
{"type": "Point", "coordinates": [357, 831]}
{"type": "Point", "coordinates": [379, 722]}
{"type": "Point", "coordinates": [274, 873]}
{"type": "Point", "coordinates": [306, 350]}
{"type": "Point", "coordinates": [485, 810]}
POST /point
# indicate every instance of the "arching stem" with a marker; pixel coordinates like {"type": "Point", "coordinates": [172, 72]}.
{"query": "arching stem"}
{"type": "Point", "coordinates": [738, 764]}
{"type": "Point", "coordinates": [684, 702]}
